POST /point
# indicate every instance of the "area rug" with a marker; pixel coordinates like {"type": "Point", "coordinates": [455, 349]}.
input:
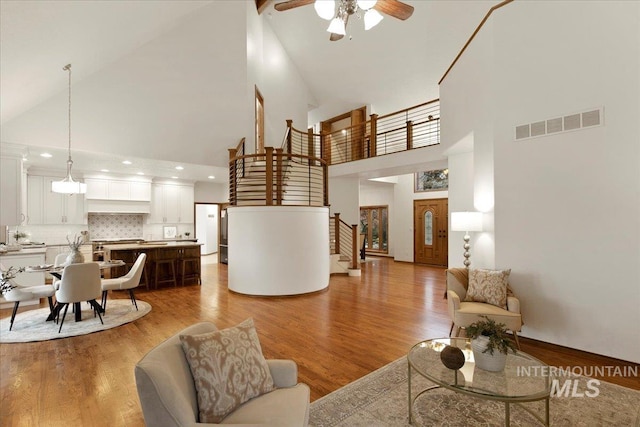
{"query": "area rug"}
{"type": "Point", "coordinates": [31, 325]}
{"type": "Point", "coordinates": [380, 399]}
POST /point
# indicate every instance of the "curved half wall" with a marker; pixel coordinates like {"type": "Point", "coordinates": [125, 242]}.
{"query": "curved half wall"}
{"type": "Point", "coordinates": [278, 250]}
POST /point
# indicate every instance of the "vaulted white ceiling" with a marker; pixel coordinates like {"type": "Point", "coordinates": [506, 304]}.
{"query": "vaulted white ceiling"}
{"type": "Point", "coordinates": [129, 57]}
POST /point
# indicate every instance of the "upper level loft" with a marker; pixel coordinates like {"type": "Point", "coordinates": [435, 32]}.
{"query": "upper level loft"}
{"type": "Point", "coordinates": [295, 174]}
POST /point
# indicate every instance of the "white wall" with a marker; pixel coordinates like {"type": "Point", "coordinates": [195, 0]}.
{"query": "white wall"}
{"type": "Point", "coordinates": [285, 93]}
{"type": "Point", "coordinates": [567, 206]}
{"type": "Point", "coordinates": [296, 237]}
{"type": "Point", "coordinates": [344, 198]}
{"type": "Point", "coordinates": [209, 192]}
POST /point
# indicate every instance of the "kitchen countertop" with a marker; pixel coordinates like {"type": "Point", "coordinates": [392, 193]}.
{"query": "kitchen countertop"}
{"type": "Point", "coordinates": [151, 245]}
{"type": "Point", "coordinates": [30, 251]}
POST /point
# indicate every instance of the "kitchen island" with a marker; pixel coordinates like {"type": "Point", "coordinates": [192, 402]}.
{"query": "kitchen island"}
{"type": "Point", "coordinates": [175, 263]}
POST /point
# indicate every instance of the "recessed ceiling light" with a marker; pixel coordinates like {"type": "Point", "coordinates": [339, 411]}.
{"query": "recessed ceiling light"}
{"type": "Point", "coordinates": [104, 170]}
{"type": "Point", "coordinates": [174, 177]}
{"type": "Point", "coordinates": [179, 168]}
{"type": "Point", "coordinates": [126, 162]}
{"type": "Point", "coordinates": [46, 155]}
{"type": "Point", "coordinates": [140, 173]}
{"type": "Point", "coordinates": [211, 177]}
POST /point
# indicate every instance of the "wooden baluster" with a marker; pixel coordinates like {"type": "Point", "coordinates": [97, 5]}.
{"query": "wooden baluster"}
{"type": "Point", "coordinates": [337, 232]}
{"type": "Point", "coordinates": [289, 132]}
{"type": "Point", "coordinates": [232, 176]}
{"type": "Point", "coordinates": [373, 138]}
{"type": "Point", "coordinates": [279, 177]}
{"type": "Point", "coordinates": [269, 176]}
{"type": "Point", "coordinates": [354, 246]}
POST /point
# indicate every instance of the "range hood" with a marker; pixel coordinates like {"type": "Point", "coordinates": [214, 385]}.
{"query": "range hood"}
{"type": "Point", "coordinates": [118, 206]}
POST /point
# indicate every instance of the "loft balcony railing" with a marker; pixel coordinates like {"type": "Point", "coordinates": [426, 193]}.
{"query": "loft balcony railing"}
{"type": "Point", "coordinates": [407, 129]}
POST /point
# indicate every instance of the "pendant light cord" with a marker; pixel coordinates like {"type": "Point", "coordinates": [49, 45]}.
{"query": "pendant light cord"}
{"type": "Point", "coordinates": [69, 161]}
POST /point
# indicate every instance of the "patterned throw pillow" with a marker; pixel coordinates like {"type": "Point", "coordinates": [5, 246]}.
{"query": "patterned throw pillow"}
{"type": "Point", "coordinates": [228, 369]}
{"type": "Point", "coordinates": [488, 286]}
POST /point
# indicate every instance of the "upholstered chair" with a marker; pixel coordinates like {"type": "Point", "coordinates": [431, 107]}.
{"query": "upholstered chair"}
{"type": "Point", "coordinates": [79, 282]}
{"type": "Point", "coordinates": [463, 312]}
{"type": "Point", "coordinates": [129, 281]}
{"type": "Point", "coordinates": [21, 293]}
{"type": "Point", "coordinates": [168, 395]}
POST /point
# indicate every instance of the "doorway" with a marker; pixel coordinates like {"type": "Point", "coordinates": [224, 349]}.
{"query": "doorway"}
{"type": "Point", "coordinates": [259, 122]}
{"type": "Point", "coordinates": [431, 228]}
{"type": "Point", "coordinates": [374, 226]}
{"type": "Point", "coordinates": [206, 227]}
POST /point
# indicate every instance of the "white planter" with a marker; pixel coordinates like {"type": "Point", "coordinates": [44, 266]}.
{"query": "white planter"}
{"type": "Point", "coordinates": [486, 361]}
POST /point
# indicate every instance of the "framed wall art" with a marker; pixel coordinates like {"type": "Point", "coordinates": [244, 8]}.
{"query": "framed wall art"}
{"type": "Point", "coordinates": [434, 180]}
{"type": "Point", "coordinates": [169, 232]}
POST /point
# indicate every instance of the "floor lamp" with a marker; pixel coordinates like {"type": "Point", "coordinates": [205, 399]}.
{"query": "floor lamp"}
{"type": "Point", "coordinates": [466, 221]}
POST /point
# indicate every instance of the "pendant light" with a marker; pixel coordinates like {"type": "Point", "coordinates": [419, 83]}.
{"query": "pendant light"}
{"type": "Point", "coordinates": [68, 185]}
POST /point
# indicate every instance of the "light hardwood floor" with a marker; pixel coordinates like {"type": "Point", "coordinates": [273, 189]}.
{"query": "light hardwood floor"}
{"type": "Point", "coordinates": [335, 336]}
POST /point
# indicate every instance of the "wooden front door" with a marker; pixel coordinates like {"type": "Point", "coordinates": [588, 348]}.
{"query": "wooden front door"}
{"type": "Point", "coordinates": [431, 228]}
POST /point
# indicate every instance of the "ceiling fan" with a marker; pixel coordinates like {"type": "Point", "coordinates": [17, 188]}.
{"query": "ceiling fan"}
{"type": "Point", "coordinates": [339, 11]}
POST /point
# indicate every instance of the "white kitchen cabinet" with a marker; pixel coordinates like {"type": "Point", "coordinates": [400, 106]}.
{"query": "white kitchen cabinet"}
{"type": "Point", "coordinates": [140, 191]}
{"type": "Point", "coordinates": [46, 207]}
{"type": "Point", "coordinates": [171, 204]}
{"type": "Point", "coordinates": [186, 215]}
{"type": "Point", "coordinates": [11, 208]}
{"type": "Point", "coordinates": [115, 189]}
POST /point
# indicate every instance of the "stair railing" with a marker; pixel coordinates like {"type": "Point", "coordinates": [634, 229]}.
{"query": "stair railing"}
{"type": "Point", "coordinates": [343, 240]}
{"type": "Point", "coordinates": [413, 127]}
{"type": "Point", "coordinates": [276, 178]}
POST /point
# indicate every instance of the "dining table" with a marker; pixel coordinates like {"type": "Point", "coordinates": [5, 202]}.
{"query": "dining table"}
{"type": "Point", "coordinates": [56, 271]}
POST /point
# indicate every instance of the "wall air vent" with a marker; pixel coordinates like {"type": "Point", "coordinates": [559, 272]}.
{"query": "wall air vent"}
{"type": "Point", "coordinates": [556, 125]}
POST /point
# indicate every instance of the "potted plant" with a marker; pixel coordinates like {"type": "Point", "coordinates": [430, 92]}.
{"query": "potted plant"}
{"type": "Point", "coordinates": [487, 336]}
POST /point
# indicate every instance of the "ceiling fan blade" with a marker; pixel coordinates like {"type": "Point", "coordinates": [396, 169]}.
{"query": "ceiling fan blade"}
{"type": "Point", "coordinates": [291, 4]}
{"type": "Point", "coordinates": [394, 8]}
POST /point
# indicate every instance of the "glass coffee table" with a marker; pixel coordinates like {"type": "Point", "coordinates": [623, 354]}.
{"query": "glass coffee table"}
{"type": "Point", "coordinates": [524, 378]}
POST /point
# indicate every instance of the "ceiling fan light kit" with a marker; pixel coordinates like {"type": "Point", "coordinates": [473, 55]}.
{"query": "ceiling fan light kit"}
{"type": "Point", "coordinates": [339, 11]}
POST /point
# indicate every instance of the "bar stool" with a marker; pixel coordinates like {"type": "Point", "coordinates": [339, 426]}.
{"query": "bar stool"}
{"type": "Point", "coordinates": [195, 262]}
{"type": "Point", "coordinates": [169, 278]}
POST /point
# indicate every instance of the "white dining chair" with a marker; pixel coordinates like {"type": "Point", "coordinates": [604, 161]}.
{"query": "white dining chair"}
{"type": "Point", "coordinates": [129, 282]}
{"type": "Point", "coordinates": [21, 293]}
{"type": "Point", "coordinates": [79, 282]}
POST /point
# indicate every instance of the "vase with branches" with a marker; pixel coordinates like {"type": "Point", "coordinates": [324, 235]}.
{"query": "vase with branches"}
{"type": "Point", "coordinates": [6, 283]}
{"type": "Point", "coordinates": [75, 256]}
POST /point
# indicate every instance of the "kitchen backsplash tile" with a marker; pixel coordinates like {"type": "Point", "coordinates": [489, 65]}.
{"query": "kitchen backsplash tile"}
{"type": "Point", "coordinates": [102, 226]}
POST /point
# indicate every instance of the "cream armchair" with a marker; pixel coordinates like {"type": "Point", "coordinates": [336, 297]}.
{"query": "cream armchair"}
{"type": "Point", "coordinates": [463, 313]}
{"type": "Point", "coordinates": [168, 396]}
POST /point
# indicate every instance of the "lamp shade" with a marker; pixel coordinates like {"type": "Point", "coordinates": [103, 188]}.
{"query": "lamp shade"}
{"type": "Point", "coordinates": [325, 8]}
{"type": "Point", "coordinates": [466, 221]}
{"type": "Point", "coordinates": [68, 186]}
{"type": "Point", "coordinates": [371, 18]}
{"type": "Point", "coordinates": [337, 27]}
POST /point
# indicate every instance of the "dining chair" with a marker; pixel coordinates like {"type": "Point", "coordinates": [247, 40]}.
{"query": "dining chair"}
{"type": "Point", "coordinates": [21, 293]}
{"type": "Point", "coordinates": [129, 282]}
{"type": "Point", "coordinates": [79, 282]}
